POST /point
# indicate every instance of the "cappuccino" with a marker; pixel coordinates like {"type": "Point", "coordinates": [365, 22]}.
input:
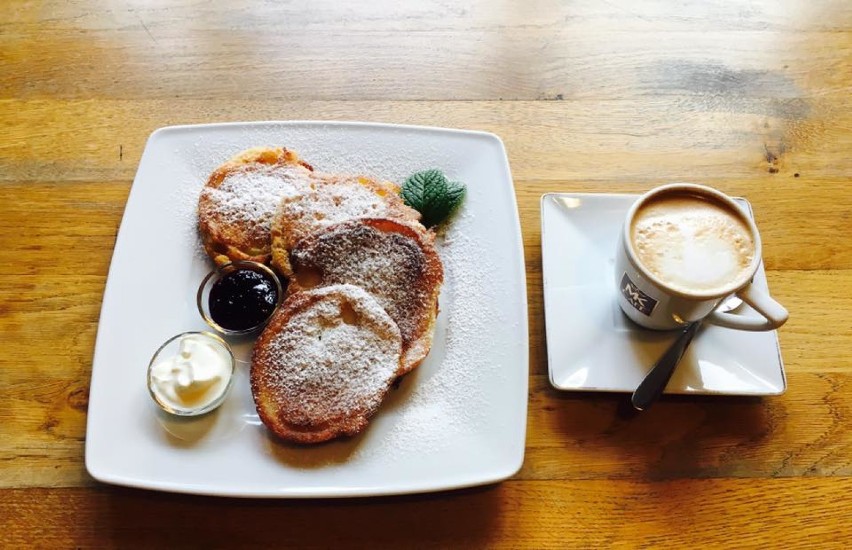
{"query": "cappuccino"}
{"type": "Point", "coordinates": [692, 243]}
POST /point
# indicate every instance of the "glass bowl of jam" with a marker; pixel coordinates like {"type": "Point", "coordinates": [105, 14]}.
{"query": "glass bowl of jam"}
{"type": "Point", "coordinates": [239, 298]}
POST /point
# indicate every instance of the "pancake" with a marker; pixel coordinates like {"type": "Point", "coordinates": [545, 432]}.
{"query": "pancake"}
{"type": "Point", "coordinates": [236, 207]}
{"type": "Point", "coordinates": [393, 261]}
{"type": "Point", "coordinates": [323, 364]}
{"type": "Point", "coordinates": [332, 200]}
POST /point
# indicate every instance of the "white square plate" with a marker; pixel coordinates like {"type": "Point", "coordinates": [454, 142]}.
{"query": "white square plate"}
{"type": "Point", "coordinates": [458, 420]}
{"type": "Point", "coordinates": [592, 346]}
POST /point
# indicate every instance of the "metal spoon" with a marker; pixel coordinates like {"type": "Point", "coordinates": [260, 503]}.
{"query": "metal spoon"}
{"type": "Point", "coordinates": [656, 380]}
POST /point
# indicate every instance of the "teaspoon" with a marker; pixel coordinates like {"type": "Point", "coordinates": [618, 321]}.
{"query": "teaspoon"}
{"type": "Point", "coordinates": [656, 380]}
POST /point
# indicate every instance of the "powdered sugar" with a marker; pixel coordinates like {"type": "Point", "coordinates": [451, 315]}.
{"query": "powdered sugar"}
{"type": "Point", "coordinates": [447, 398]}
{"type": "Point", "coordinates": [390, 266]}
{"type": "Point", "coordinates": [324, 365]}
{"type": "Point", "coordinates": [251, 195]}
{"type": "Point", "coordinates": [331, 147]}
{"type": "Point", "coordinates": [337, 199]}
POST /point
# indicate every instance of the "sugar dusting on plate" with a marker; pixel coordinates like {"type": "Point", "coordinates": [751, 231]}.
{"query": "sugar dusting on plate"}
{"type": "Point", "coordinates": [448, 402]}
{"type": "Point", "coordinates": [447, 398]}
{"type": "Point", "coordinates": [315, 143]}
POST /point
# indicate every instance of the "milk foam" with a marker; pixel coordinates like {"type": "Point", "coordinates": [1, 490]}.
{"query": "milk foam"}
{"type": "Point", "coordinates": [692, 244]}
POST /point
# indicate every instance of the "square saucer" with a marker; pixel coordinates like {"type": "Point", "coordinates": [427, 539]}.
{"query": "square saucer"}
{"type": "Point", "coordinates": [593, 346]}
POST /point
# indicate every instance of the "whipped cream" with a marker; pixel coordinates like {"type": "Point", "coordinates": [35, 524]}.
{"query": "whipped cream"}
{"type": "Point", "coordinates": [194, 379]}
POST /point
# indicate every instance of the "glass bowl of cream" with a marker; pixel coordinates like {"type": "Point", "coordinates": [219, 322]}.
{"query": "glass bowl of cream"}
{"type": "Point", "coordinates": [191, 373]}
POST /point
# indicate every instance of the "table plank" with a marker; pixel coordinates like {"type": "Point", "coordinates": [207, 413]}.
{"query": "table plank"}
{"type": "Point", "coordinates": [644, 140]}
{"type": "Point", "coordinates": [779, 15]}
{"type": "Point", "coordinates": [512, 515]}
{"type": "Point", "coordinates": [389, 51]}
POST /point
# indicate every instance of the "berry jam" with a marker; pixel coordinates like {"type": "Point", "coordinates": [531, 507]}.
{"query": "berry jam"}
{"type": "Point", "coordinates": [242, 299]}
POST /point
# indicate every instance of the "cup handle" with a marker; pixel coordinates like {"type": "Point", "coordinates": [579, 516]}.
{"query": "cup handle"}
{"type": "Point", "coordinates": [774, 313]}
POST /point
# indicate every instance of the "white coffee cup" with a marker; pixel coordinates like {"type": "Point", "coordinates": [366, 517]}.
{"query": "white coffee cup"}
{"type": "Point", "coordinates": [685, 248]}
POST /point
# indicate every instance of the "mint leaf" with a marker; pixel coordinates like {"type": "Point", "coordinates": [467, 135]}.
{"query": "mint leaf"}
{"type": "Point", "coordinates": [455, 194]}
{"type": "Point", "coordinates": [430, 193]}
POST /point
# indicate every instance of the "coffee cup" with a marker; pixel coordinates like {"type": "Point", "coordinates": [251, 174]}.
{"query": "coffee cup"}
{"type": "Point", "coordinates": [684, 249]}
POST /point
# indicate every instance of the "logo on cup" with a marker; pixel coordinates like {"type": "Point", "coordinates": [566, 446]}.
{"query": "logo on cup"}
{"type": "Point", "coordinates": [636, 297]}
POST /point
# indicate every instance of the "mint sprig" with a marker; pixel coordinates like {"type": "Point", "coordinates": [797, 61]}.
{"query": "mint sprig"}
{"type": "Point", "coordinates": [433, 195]}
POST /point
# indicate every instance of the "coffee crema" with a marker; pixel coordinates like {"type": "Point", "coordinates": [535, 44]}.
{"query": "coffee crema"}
{"type": "Point", "coordinates": [692, 243]}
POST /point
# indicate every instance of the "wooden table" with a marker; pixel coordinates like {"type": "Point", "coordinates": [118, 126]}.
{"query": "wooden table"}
{"type": "Point", "coordinates": [750, 97]}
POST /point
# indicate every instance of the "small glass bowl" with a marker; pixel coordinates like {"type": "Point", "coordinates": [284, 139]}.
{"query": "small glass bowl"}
{"type": "Point", "coordinates": [172, 347]}
{"type": "Point", "coordinates": [203, 296]}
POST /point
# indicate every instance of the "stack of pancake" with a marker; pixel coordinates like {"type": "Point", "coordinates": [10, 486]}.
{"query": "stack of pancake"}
{"type": "Point", "coordinates": [362, 296]}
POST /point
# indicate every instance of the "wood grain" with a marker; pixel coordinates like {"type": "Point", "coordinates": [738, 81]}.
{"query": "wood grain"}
{"type": "Point", "coordinates": [786, 15]}
{"type": "Point", "coordinates": [567, 514]}
{"type": "Point", "coordinates": [425, 53]}
{"type": "Point", "coordinates": [605, 142]}
{"type": "Point", "coordinates": [750, 97]}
